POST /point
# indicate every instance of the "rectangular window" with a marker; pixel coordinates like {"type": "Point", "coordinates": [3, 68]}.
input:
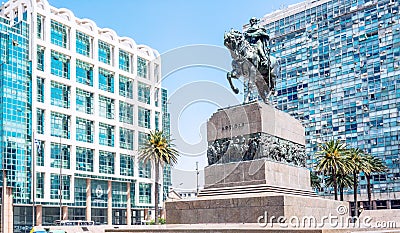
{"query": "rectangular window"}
{"type": "Point", "coordinates": [106, 134]}
{"type": "Point", "coordinates": [106, 162]}
{"type": "Point", "coordinates": [145, 169]}
{"type": "Point", "coordinates": [156, 72]}
{"type": "Point", "coordinates": [39, 184]}
{"type": "Point", "coordinates": [106, 107]}
{"type": "Point", "coordinates": [80, 194]}
{"type": "Point", "coordinates": [60, 94]}
{"type": "Point", "coordinates": [142, 67]}
{"type": "Point", "coordinates": [56, 184]}
{"type": "Point", "coordinates": [84, 159]}
{"type": "Point", "coordinates": [83, 43]}
{"type": "Point", "coordinates": [126, 165]}
{"type": "Point", "coordinates": [166, 181]}
{"type": "Point", "coordinates": [84, 73]}
{"type": "Point", "coordinates": [133, 195]}
{"type": "Point", "coordinates": [39, 26]}
{"type": "Point", "coordinates": [104, 52]}
{"type": "Point", "coordinates": [143, 93]}
{"type": "Point", "coordinates": [84, 130]}
{"type": "Point", "coordinates": [144, 116]}
{"type": "Point", "coordinates": [65, 187]}
{"type": "Point", "coordinates": [125, 112]}
{"type": "Point", "coordinates": [156, 97]}
{"type": "Point", "coordinates": [106, 80]}
{"type": "Point", "coordinates": [60, 64]}
{"type": "Point", "coordinates": [125, 87]}
{"type": "Point", "coordinates": [40, 90]}
{"type": "Point", "coordinates": [165, 115]}
{"type": "Point", "coordinates": [40, 58]}
{"type": "Point", "coordinates": [145, 193]}
{"type": "Point", "coordinates": [119, 195]}
{"type": "Point", "coordinates": [59, 34]}
{"type": "Point", "coordinates": [157, 120]}
{"type": "Point", "coordinates": [142, 139]}
{"type": "Point", "coordinates": [60, 125]}
{"type": "Point", "coordinates": [60, 154]}
{"type": "Point", "coordinates": [40, 121]}
{"type": "Point", "coordinates": [39, 152]}
{"type": "Point", "coordinates": [166, 123]}
{"type": "Point", "coordinates": [84, 101]}
{"type": "Point", "coordinates": [124, 60]}
{"type": "Point", "coordinates": [125, 138]}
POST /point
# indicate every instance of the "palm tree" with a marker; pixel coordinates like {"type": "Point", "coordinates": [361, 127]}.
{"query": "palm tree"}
{"type": "Point", "coordinates": [331, 161]}
{"type": "Point", "coordinates": [357, 163]}
{"type": "Point", "coordinates": [315, 180]}
{"type": "Point", "coordinates": [160, 150]}
{"type": "Point", "coordinates": [343, 181]}
{"type": "Point", "coordinates": [376, 165]}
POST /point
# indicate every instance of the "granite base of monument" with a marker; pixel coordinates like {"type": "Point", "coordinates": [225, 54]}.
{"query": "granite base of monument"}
{"type": "Point", "coordinates": [257, 167]}
{"type": "Point", "coordinates": [257, 173]}
{"type": "Point", "coordinates": [274, 189]}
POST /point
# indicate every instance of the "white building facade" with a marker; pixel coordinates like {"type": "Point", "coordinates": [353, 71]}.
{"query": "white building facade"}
{"type": "Point", "coordinates": [94, 98]}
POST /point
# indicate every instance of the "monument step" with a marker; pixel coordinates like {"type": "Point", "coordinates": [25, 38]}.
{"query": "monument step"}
{"type": "Point", "coordinates": [254, 189]}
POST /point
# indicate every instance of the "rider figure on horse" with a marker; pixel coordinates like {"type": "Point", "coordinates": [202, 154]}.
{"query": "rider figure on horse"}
{"type": "Point", "coordinates": [258, 37]}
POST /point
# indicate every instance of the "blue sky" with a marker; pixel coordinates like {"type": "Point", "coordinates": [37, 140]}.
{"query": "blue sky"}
{"type": "Point", "coordinates": [169, 25]}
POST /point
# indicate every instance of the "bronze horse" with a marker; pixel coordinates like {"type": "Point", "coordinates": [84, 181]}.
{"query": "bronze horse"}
{"type": "Point", "coordinates": [247, 63]}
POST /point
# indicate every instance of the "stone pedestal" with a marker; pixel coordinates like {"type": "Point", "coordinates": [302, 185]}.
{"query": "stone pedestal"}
{"type": "Point", "coordinates": [257, 172]}
{"type": "Point", "coordinates": [257, 169]}
{"type": "Point", "coordinates": [242, 192]}
{"type": "Point", "coordinates": [253, 131]}
{"type": "Point", "coordinates": [247, 208]}
{"type": "Point", "coordinates": [253, 118]}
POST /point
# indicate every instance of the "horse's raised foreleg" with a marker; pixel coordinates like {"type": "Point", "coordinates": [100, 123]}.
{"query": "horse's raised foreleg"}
{"type": "Point", "coordinates": [229, 76]}
{"type": "Point", "coordinates": [262, 88]}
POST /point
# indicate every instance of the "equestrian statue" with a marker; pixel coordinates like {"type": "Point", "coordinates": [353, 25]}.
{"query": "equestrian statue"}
{"type": "Point", "coordinates": [252, 60]}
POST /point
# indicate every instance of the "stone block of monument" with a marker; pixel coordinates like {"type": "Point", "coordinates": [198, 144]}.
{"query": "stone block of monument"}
{"type": "Point", "coordinates": [254, 131]}
{"type": "Point", "coordinates": [256, 157]}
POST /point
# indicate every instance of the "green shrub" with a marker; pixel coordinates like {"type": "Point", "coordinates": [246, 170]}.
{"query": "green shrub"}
{"type": "Point", "coordinates": [160, 221]}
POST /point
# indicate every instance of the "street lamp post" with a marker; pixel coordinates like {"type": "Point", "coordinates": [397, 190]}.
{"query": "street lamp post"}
{"type": "Point", "coordinates": [3, 194]}
{"type": "Point", "coordinates": [63, 130]}
{"type": "Point", "coordinates": [3, 197]}
{"type": "Point", "coordinates": [60, 179]}
{"type": "Point", "coordinates": [33, 178]}
{"type": "Point", "coordinates": [197, 178]}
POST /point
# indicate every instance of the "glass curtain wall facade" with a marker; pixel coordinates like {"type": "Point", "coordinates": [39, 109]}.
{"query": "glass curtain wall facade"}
{"type": "Point", "coordinates": [166, 126]}
{"type": "Point", "coordinates": [339, 75]}
{"type": "Point", "coordinates": [87, 94]}
{"type": "Point", "coordinates": [16, 107]}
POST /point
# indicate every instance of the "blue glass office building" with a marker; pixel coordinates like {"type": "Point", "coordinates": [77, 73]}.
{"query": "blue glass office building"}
{"type": "Point", "coordinates": [16, 109]}
{"type": "Point", "coordinates": [340, 75]}
{"type": "Point", "coordinates": [85, 99]}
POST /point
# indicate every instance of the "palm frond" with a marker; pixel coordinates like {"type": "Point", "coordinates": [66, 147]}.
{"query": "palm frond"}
{"type": "Point", "coordinates": [158, 148]}
{"type": "Point", "coordinates": [330, 158]}
{"type": "Point", "coordinates": [343, 180]}
{"type": "Point", "coordinates": [375, 164]}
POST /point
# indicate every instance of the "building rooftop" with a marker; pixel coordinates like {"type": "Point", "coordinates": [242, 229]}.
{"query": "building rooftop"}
{"type": "Point", "coordinates": [14, 8]}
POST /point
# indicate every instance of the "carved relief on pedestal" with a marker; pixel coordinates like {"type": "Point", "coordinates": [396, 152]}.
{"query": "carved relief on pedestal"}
{"type": "Point", "coordinates": [255, 146]}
